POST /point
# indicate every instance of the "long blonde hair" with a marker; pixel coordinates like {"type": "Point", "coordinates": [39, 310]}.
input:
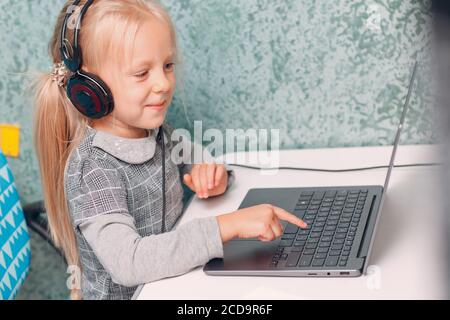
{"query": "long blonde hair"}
{"type": "Point", "coordinates": [58, 126]}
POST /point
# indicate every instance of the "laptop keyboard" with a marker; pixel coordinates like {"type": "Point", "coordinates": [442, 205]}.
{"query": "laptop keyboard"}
{"type": "Point", "coordinates": [333, 217]}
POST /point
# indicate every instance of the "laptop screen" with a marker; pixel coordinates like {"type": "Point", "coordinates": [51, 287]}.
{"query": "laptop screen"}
{"type": "Point", "coordinates": [399, 129]}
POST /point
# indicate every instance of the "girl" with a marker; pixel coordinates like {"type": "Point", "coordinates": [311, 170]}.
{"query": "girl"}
{"type": "Point", "coordinates": [102, 175]}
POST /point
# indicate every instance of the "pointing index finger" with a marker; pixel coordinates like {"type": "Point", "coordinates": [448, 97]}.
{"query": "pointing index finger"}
{"type": "Point", "coordinates": [289, 217]}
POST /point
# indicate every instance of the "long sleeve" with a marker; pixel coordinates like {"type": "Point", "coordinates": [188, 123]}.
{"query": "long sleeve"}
{"type": "Point", "coordinates": [132, 260]}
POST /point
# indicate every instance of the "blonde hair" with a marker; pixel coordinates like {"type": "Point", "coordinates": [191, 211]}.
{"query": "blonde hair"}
{"type": "Point", "coordinates": [58, 126]}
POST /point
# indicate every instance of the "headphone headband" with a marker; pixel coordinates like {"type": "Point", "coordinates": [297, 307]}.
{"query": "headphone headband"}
{"type": "Point", "coordinates": [70, 53]}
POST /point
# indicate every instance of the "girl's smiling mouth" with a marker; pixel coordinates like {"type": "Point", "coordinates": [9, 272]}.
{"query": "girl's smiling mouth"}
{"type": "Point", "coordinates": [157, 106]}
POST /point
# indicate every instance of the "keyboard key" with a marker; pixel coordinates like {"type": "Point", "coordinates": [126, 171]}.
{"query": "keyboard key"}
{"type": "Point", "coordinates": [318, 195]}
{"type": "Point", "coordinates": [286, 243]}
{"type": "Point", "coordinates": [293, 259]}
{"type": "Point", "coordinates": [331, 193]}
{"type": "Point", "coordinates": [283, 256]}
{"type": "Point", "coordinates": [325, 244]}
{"type": "Point", "coordinates": [304, 199]}
{"type": "Point", "coordinates": [320, 224]}
{"type": "Point", "coordinates": [331, 261]}
{"type": "Point", "coordinates": [302, 237]}
{"type": "Point", "coordinates": [311, 246]}
{"type": "Point", "coordinates": [305, 261]}
{"type": "Point", "coordinates": [288, 236]}
{"type": "Point", "coordinates": [336, 247]}
{"type": "Point", "coordinates": [299, 243]}
{"type": "Point", "coordinates": [297, 249]}
{"type": "Point", "coordinates": [335, 253]}
{"type": "Point", "coordinates": [315, 234]}
{"type": "Point", "coordinates": [320, 255]}
{"type": "Point", "coordinates": [342, 263]}
{"type": "Point", "coordinates": [318, 262]}
{"type": "Point", "coordinates": [308, 251]}
{"type": "Point", "coordinates": [317, 229]}
{"type": "Point", "coordinates": [328, 233]}
{"type": "Point", "coordinates": [279, 250]}
{"type": "Point", "coordinates": [307, 193]}
{"type": "Point", "coordinates": [326, 239]}
{"type": "Point", "coordinates": [322, 250]}
{"type": "Point", "coordinates": [347, 215]}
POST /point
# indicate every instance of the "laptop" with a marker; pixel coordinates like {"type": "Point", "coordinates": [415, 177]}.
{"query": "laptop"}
{"type": "Point", "coordinates": [342, 223]}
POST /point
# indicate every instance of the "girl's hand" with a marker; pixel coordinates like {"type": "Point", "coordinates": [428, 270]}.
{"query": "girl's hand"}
{"type": "Point", "coordinates": [261, 221]}
{"type": "Point", "coordinates": [207, 179]}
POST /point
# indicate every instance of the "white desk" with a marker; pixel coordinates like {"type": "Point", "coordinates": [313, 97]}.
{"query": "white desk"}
{"type": "Point", "coordinates": [407, 262]}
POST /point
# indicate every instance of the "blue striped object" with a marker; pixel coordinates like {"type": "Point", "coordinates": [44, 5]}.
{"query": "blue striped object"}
{"type": "Point", "coordinates": [14, 239]}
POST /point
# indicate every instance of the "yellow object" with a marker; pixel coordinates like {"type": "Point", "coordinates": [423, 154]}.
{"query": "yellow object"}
{"type": "Point", "coordinates": [10, 139]}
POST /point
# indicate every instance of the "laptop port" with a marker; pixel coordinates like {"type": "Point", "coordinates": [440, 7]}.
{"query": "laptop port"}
{"type": "Point", "coordinates": [345, 273]}
{"type": "Point", "coordinates": [312, 274]}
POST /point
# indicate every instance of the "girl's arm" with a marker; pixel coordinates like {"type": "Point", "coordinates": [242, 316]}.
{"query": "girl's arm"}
{"type": "Point", "coordinates": [132, 260]}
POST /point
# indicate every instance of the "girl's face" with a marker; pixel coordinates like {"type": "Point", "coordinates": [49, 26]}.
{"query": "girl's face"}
{"type": "Point", "coordinates": [144, 88]}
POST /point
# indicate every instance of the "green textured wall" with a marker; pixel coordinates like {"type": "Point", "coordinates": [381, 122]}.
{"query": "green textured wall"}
{"type": "Point", "coordinates": [327, 73]}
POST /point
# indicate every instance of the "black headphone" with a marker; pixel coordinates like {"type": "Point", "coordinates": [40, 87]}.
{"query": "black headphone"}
{"type": "Point", "coordinates": [88, 93]}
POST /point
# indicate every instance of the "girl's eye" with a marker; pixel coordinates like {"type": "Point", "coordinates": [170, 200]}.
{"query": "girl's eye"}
{"type": "Point", "coordinates": [142, 74]}
{"type": "Point", "coordinates": [170, 66]}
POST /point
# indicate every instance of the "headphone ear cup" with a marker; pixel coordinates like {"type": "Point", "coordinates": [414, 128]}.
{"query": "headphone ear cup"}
{"type": "Point", "coordinates": [90, 95]}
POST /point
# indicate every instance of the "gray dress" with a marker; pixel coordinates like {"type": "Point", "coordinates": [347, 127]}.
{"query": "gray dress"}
{"type": "Point", "coordinates": [113, 191]}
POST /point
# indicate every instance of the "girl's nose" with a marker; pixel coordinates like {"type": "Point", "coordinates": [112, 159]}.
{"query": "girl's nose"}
{"type": "Point", "coordinates": [161, 83]}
